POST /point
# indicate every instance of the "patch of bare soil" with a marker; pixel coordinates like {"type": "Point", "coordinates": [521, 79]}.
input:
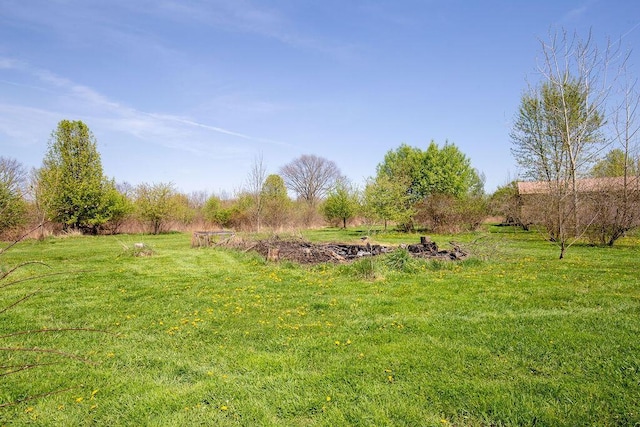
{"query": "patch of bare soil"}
{"type": "Point", "coordinates": [304, 252]}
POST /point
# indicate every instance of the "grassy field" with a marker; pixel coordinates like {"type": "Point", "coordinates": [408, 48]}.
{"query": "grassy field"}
{"type": "Point", "coordinates": [512, 336]}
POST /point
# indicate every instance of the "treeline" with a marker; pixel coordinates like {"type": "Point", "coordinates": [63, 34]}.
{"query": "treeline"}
{"type": "Point", "coordinates": [434, 188]}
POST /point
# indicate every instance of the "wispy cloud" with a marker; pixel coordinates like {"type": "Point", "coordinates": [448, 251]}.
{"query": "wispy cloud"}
{"type": "Point", "coordinates": [8, 63]}
{"type": "Point", "coordinates": [17, 123]}
{"type": "Point", "coordinates": [169, 130]}
{"type": "Point", "coordinates": [577, 13]}
{"type": "Point", "coordinates": [255, 18]}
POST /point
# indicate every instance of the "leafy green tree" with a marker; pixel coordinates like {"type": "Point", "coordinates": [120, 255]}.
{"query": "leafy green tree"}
{"type": "Point", "coordinates": [435, 170]}
{"type": "Point", "coordinates": [184, 213]}
{"type": "Point", "coordinates": [342, 204]}
{"type": "Point", "coordinates": [156, 205]}
{"type": "Point", "coordinates": [120, 209]}
{"type": "Point", "coordinates": [276, 201]}
{"type": "Point", "coordinates": [387, 200]}
{"type": "Point", "coordinates": [215, 212]}
{"type": "Point", "coordinates": [613, 165]}
{"type": "Point", "coordinates": [423, 173]}
{"type": "Point", "coordinates": [445, 171]}
{"type": "Point", "coordinates": [74, 190]}
{"type": "Point", "coordinates": [402, 165]}
{"type": "Point", "coordinates": [12, 209]}
{"type": "Point", "coordinates": [242, 211]}
{"type": "Point", "coordinates": [555, 136]}
{"type": "Point", "coordinates": [505, 202]}
{"type": "Point", "coordinates": [557, 133]}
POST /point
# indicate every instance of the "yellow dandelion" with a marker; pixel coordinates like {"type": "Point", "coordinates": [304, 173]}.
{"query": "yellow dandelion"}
{"type": "Point", "coordinates": [29, 409]}
{"type": "Point", "coordinates": [223, 408]}
{"type": "Point", "coordinates": [79, 399]}
{"type": "Point", "coordinates": [328, 398]}
{"type": "Point", "coordinates": [337, 343]}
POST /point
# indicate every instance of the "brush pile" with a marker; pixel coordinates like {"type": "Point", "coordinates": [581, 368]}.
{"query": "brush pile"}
{"type": "Point", "coordinates": [303, 252]}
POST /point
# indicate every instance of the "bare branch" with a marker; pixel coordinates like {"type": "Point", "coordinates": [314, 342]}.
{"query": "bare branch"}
{"type": "Point", "coordinates": [37, 396]}
{"type": "Point", "coordinates": [51, 351]}
{"type": "Point", "coordinates": [20, 368]}
{"type": "Point", "coordinates": [19, 266]}
{"type": "Point", "coordinates": [558, 132]}
{"type": "Point", "coordinates": [42, 276]}
{"type": "Point", "coordinates": [21, 238]}
{"type": "Point", "coordinates": [19, 301]}
{"type": "Point", "coordinates": [36, 331]}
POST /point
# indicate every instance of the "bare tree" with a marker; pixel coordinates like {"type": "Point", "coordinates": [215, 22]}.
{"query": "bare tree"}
{"type": "Point", "coordinates": [126, 189]}
{"type": "Point", "coordinates": [197, 199]}
{"type": "Point", "coordinates": [12, 192]}
{"type": "Point", "coordinates": [13, 175]}
{"type": "Point", "coordinates": [557, 133]}
{"type": "Point", "coordinates": [627, 129]}
{"type": "Point", "coordinates": [618, 206]}
{"type": "Point", "coordinates": [310, 177]}
{"type": "Point", "coordinates": [255, 184]}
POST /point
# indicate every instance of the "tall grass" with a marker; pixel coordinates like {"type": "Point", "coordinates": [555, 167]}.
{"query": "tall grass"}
{"type": "Point", "coordinates": [217, 337]}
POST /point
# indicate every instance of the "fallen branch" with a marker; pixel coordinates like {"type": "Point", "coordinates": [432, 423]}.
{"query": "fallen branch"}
{"type": "Point", "coordinates": [49, 350]}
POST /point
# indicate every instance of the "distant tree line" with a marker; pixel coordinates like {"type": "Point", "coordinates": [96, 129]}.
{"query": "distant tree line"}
{"type": "Point", "coordinates": [575, 137]}
{"type": "Point", "coordinates": [434, 188]}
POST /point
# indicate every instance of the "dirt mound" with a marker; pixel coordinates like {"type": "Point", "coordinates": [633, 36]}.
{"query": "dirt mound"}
{"type": "Point", "coordinates": [304, 252]}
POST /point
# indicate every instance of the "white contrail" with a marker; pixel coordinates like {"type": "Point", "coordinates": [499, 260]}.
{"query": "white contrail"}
{"type": "Point", "coordinates": [628, 32]}
{"type": "Point", "coordinates": [93, 97]}
{"type": "Point", "coordinates": [214, 128]}
{"type": "Point", "coordinates": [200, 125]}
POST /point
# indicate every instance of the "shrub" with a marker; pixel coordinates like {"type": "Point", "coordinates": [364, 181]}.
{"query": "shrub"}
{"type": "Point", "coordinates": [365, 268]}
{"type": "Point", "coordinates": [442, 213]}
{"type": "Point", "coordinates": [400, 260]}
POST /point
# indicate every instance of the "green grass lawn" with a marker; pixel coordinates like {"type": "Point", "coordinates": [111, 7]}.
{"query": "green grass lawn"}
{"type": "Point", "coordinates": [512, 336]}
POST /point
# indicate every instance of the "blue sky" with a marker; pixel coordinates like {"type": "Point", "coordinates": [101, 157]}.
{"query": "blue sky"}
{"type": "Point", "coordinates": [193, 91]}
